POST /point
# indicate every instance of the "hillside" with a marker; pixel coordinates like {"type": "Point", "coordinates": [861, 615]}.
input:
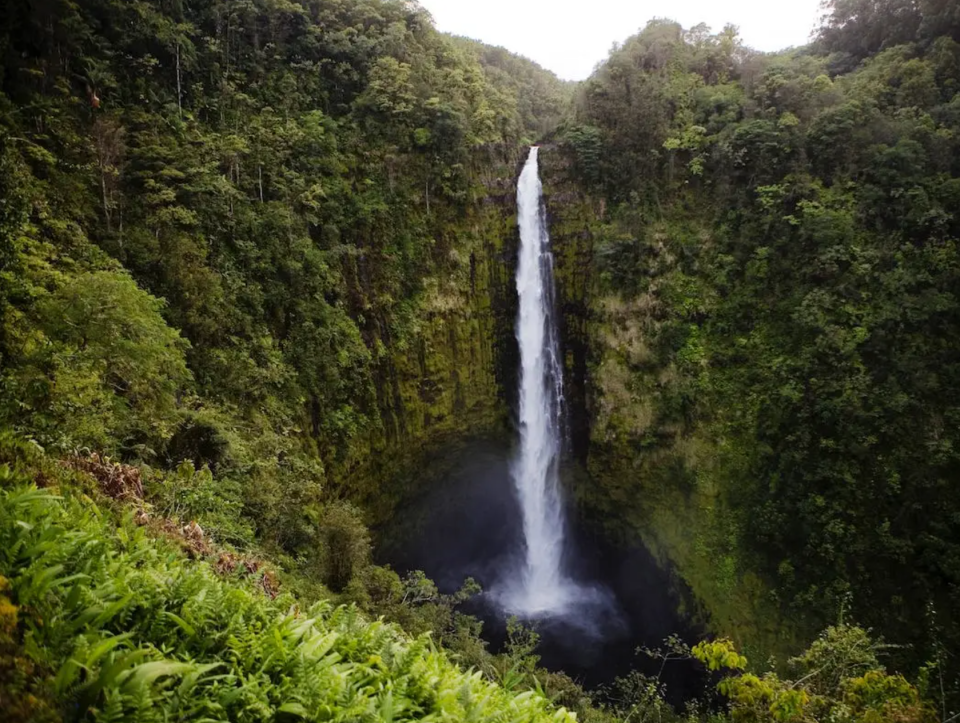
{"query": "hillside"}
{"type": "Point", "coordinates": [257, 302]}
{"type": "Point", "coordinates": [120, 626]}
{"type": "Point", "coordinates": [766, 338]}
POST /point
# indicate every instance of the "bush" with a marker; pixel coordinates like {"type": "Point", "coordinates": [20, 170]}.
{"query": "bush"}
{"type": "Point", "coordinates": [839, 679]}
{"type": "Point", "coordinates": [345, 544]}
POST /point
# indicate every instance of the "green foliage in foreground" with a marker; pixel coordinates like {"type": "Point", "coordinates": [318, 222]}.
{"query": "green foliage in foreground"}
{"type": "Point", "coordinates": [101, 620]}
{"type": "Point", "coordinates": [129, 630]}
{"type": "Point", "coordinates": [839, 679]}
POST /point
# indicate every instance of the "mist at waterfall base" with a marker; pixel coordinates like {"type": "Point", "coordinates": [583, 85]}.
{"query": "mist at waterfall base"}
{"type": "Point", "coordinates": [470, 524]}
{"type": "Point", "coordinates": [500, 516]}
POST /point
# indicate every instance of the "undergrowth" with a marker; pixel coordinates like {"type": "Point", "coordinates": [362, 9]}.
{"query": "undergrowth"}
{"type": "Point", "coordinates": [126, 628]}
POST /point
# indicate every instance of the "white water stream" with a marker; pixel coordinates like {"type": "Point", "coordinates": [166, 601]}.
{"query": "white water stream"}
{"type": "Point", "coordinates": [542, 587]}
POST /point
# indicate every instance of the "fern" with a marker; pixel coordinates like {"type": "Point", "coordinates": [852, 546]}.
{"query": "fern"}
{"type": "Point", "coordinates": [138, 633]}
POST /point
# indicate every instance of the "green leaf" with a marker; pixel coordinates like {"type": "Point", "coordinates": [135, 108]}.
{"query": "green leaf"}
{"type": "Point", "coordinates": [181, 623]}
{"type": "Point", "coordinates": [296, 709]}
{"type": "Point", "coordinates": [146, 674]}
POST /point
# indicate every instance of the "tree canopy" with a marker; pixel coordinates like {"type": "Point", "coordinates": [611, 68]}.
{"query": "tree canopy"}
{"type": "Point", "coordinates": [775, 322]}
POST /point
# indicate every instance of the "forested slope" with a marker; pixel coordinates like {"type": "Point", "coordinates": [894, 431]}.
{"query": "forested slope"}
{"type": "Point", "coordinates": [768, 337]}
{"type": "Point", "coordinates": [268, 237]}
{"type": "Point", "coordinates": [108, 613]}
{"type": "Point", "coordinates": [261, 251]}
{"type": "Point", "coordinates": [541, 99]}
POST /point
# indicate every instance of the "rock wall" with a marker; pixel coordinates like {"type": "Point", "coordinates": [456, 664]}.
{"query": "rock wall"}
{"type": "Point", "coordinates": [456, 382]}
{"type": "Point", "coordinates": [644, 466]}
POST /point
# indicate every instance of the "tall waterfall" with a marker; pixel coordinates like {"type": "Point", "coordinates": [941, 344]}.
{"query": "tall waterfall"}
{"type": "Point", "coordinates": [542, 587]}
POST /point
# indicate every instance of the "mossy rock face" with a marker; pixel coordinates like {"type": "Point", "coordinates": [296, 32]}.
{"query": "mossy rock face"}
{"type": "Point", "coordinates": [455, 381]}
{"type": "Point", "coordinates": [572, 216]}
{"type": "Point", "coordinates": [645, 472]}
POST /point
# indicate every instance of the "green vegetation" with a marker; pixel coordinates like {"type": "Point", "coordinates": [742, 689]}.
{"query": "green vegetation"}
{"type": "Point", "coordinates": [255, 250]}
{"type": "Point", "coordinates": [255, 237]}
{"type": "Point", "coordinates": [839, 679]}
{"type": "Point", "coordinates": [127, 629]}
{"type": "Point", "coordinates": [256, 274]}
{"type": "Point", "coordinates": [771, 320]}
{"type": "Point", "coordinates": [110, 612]}
{"type": "Point", "coordinates": [541, 99]}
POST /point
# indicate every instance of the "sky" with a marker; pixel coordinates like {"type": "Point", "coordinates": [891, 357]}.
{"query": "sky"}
{"type": "Point", "coordinates": [570, 37]}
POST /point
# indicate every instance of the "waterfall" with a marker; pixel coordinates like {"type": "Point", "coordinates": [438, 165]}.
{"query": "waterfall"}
{"type": "Point", "coordinates": [542, 586]}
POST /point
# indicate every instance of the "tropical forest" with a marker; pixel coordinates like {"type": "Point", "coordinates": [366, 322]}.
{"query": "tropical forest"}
{"type": "Point", "coordinates": [356, 371]}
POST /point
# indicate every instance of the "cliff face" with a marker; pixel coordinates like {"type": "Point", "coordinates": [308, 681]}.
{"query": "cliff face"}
{"type": "Point", "coordinates": [456, 381]}
{"type": "Point", "coordinates": [647, 463]}
{"type": "Point", "coordinates": [572, 217]}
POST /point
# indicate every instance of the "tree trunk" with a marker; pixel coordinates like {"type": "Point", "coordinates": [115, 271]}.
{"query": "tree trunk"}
{"type": "Point", "coordinates": [179, 92]}
{"type": "Point", "coordinates": [106, 201]}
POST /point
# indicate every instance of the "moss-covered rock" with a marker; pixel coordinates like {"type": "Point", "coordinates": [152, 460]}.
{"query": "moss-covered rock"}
{"type": "Point", "coordinates": [652, 460]}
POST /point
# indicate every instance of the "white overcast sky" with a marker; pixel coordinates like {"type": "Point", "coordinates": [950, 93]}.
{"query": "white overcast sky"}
{"type": "Point", "coordinates": [570, 37]}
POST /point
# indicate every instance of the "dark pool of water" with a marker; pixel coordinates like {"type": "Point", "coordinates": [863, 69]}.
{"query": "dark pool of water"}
{"type": "Point", "coordinates": [469, 525]}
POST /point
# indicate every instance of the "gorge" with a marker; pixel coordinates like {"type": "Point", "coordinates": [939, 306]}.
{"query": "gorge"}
{"type": "Point", "coordinates": [309, 313]}
{"type": "Point", "coordinates": [500, 515]}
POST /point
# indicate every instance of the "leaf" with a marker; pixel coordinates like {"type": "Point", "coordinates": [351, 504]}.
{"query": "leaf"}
{"type": "Point", "coordinates": [294, 709]}
{"type": "Point", "coordinates": [181, 623]}
{"type": "Point", "coordinates": [319, 646]}
{"type": "Point", "coordinates": [111, 611]}
{"type": "Point", "coordinates": [387, 708]}
{"type": "Point", "coordinates": [60, 582]}
{"type": "Point", "coordinates": [146, 674]}
{"type": "Point", "coordinates": [44, 581]}
{"type": "Point", "coordinates": [110, 675]}
{"type": "Point", "coordinates": [70, 670]}
{"type": "Point", "coordinates": [104, 647]}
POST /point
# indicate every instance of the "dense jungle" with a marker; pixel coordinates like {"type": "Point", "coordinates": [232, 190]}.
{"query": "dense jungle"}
{"type": "Point", "coordinates": [258, 305]}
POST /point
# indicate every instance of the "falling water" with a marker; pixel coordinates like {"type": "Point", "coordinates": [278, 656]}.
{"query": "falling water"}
{"type": "Point", "coordinates": [542, 587]}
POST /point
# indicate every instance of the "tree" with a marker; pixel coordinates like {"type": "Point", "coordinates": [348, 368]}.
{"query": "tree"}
{"type": "Point", "coordinates": [108, 368]}
{"type": "Point", "coordinates": [839, 678]}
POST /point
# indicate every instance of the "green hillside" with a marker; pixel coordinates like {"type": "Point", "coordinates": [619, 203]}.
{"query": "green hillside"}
{"type": "Point", "coordinates": [257, 294]}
